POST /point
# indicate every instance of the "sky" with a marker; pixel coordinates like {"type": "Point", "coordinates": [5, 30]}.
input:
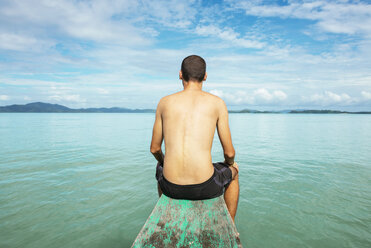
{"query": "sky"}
{"type": "Point", "coordinates": [264, 55]}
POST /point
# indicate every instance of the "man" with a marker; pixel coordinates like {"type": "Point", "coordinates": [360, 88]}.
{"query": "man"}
{"type": "Point", "coordinates": [186, 120]}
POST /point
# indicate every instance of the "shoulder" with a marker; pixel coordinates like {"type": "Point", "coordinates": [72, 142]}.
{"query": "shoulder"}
{"type": "Point", "coordinates": [170, 98]}
{"type": "Point", "coordinates": [219, 102]}
{"type": "Point", "coordinates": [164, 101]}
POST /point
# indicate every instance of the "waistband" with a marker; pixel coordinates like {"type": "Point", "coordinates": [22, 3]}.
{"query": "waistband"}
{"type": "Point", "coordinates": [190, 185]}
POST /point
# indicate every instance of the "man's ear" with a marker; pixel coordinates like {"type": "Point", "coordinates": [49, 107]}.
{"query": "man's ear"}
{"type": "Point", "coordinates": [180, 75]}
{"type": "Point", "coordinates": [205, 76]}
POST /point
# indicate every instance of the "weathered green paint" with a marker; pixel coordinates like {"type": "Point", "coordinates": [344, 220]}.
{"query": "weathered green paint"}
{"type": "Point", "coordinates": [185, 223]}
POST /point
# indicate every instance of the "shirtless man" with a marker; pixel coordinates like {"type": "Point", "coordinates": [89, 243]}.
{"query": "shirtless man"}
{"type": "Point", "coordinates": [186, 120]}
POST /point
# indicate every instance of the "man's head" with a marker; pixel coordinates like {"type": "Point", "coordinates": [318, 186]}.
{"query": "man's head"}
{"type": "Point", "coordinates": [193, 69]}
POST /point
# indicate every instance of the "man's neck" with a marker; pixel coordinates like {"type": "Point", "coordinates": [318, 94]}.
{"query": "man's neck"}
{"type": "Point", "coordinates": [192, 85]}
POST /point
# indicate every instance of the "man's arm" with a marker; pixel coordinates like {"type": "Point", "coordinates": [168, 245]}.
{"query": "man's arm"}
{"type": "Point", "coordinates": [224, 133]}
{"type": "Point", "coordinates": [157, 135]}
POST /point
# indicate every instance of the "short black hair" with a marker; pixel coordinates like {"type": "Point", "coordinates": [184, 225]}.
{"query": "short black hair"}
{"type": "Point", "coordinates": [193, 68]}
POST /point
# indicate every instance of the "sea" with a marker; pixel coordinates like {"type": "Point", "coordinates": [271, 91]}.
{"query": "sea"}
{"type": "Point", "coordinates": [88, 179]}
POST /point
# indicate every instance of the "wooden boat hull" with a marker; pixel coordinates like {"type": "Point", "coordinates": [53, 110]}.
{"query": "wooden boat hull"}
{"type": "Point", "coordinates": [185, 223]}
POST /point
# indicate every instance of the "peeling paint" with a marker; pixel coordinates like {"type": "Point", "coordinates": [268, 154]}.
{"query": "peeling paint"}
{"type": "Point", "coordinates": [185, 223]}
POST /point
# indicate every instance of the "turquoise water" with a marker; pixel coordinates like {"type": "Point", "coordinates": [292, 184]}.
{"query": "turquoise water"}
{"type": "Point", "coordinates": [87, 180]}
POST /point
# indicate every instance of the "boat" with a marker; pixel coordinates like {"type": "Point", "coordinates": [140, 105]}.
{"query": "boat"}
{"type": "Point", "coordinates": [189, 223]}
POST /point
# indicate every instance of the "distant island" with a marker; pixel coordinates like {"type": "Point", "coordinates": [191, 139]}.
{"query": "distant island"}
{"type": "Point", "coordinates": [41, 107]}
{"type": "Point", "coordinates": [300, 111]}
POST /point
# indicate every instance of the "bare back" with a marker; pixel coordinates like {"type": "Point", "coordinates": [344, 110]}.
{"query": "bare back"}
{"type": "Point", "coordinates": [189, 120]}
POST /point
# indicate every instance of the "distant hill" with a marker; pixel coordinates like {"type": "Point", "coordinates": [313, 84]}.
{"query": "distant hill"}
{"type": "Point", "coordinates": [301, 111]}
{"type": "Point", "coordinates": [41, 107]}
{"type": "Point", "coordinates": [298, 111]}
{"type": "Point", "coordinates": [251, 111]}
{"type": "Point", "coordinates": [36, 107]}
{"type": "Point", "coordinates": [325, 112]}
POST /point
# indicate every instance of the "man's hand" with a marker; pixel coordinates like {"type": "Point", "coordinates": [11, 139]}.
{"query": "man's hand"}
{"type": "Point", "coordinates": [159, 156]}
{"type": "Point", "coordinates": [235, 166]}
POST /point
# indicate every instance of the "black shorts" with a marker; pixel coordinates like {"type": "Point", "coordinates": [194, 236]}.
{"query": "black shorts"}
{"type": "Point", "coordinates": [211, 188]}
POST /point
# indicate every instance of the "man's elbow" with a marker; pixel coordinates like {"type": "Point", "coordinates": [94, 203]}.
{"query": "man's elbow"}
{"type": "Point", "coordinates": [155, 149]}
{"type": "Point", "coordinates": [230, 154]}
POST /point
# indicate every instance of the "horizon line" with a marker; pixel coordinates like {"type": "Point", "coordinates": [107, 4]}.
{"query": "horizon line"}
{"type": "Point", "coordinates": [248, 110]}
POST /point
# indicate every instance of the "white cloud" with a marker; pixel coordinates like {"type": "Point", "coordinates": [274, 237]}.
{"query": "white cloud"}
{"type": "Point", "coordinates": [258, 96]}
{"type": "Point", "coordinates": [329, 98]}
{"type": "Point", "coordinates": [231, 98]}
{"type": "Point", "coordinates": [4, 97]}
{"type": "Point", "coordinates": [366, 95]}
{"type": "Point", "coordinates": [262, 95]}
{"type": "Point", "coordinates": [120, 22]}
{"type": "Point", "coordinates": [87, 20]}
{"type": "Point", "coordinates": [15, 42]}
{"type": "Point", "coordinates": [273, 99]}
{"type": "Point", "coordinates": [68, 98]}
{"type": "Point", "coordinates": [228, 34]}
{"type": "Point", "coordinates": [112, 49]}
{"type": "Point", "coordinates": [62, 93]}
{"type": "Point", "coordinates": [217, 92]}
{"type": "Point", "coordinates": [280, 95]}
{"type": "Point", "coordinates": [170, 13]}
{"type": "Point", "coordinates": [330, 16]}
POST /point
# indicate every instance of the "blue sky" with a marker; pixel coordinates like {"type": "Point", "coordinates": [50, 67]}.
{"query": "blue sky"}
{"type": "Point", "coordinates": [259, 54]}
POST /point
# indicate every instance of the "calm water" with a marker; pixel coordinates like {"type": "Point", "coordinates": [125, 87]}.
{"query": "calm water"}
{"type": "Point", "coordinates": [87, 180]}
